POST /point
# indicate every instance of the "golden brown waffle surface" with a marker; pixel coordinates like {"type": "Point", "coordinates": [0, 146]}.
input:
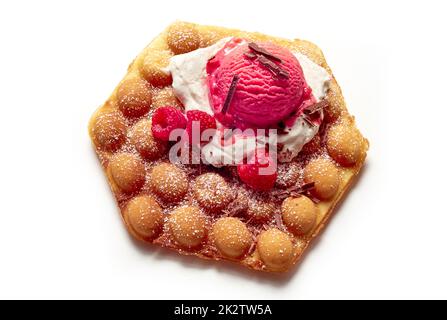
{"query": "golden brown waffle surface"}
{"type": "Point", "coordinates": [208, 212]}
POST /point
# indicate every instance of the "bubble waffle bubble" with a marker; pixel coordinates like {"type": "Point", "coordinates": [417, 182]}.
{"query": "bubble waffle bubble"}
{"type": "Point", "coordinates": [205, 211]}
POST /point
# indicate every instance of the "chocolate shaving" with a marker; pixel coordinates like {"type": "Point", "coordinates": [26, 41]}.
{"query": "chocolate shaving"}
{"type": "Point", "coordinates": [295, 191]}
{"type": "Point", "coordinates": [273, 67]}
{"type": "Point", "coordinates": [309, 121]}
{"type": "Point", "coordinates": [266, 59]}
{"type": "Point", "coordinates": [279, 146]}
{"type": "Point", "coordinates": [282, 128]}
{"type": "Point", "coordinates": [316, 107]}
{"type": "Point", "coordinates": [314, 199]}
{"type": "Point", "coordinates": [252, 246]}
{"type": "Point", "coordinates": [234, 208]}
{"type": "Point", "coordinates": [308, 186]}
{"type": "Point", "coordinates": [253, 46]}
{"type": "Point", "coordinates": [230, 94]}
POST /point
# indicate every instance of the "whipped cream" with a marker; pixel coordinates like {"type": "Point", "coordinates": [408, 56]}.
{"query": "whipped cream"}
{"type": "Point", "coordinates": [189, 81]}
{"type": "Point", "coordinates": [317, 77]}
{"type": "Point", "coordinates": [189, 76]}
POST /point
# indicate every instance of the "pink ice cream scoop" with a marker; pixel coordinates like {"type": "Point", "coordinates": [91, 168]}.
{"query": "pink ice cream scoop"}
{"type": "Point", "coordinates": [268, 84]}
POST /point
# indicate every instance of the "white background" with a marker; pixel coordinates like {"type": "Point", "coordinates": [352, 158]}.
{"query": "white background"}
{"type": "Point", "coordinates": [60, 232]}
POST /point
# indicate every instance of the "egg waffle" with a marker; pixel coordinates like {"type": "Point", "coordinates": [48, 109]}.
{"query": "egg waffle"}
{"type": "Point", "coordinates": [205, 211]}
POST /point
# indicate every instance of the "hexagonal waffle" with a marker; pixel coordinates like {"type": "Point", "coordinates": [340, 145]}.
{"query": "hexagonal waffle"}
{"type": "Point", "coordinates": [204, 211]}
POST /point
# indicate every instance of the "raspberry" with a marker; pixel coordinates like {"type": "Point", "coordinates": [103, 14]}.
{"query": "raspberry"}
{"type": "Point", "coordinates": [166, 119]}
{"type": "Point", "coordinates": [205, 120]}
{"type": "Point", "coordinates": [252, 175]}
